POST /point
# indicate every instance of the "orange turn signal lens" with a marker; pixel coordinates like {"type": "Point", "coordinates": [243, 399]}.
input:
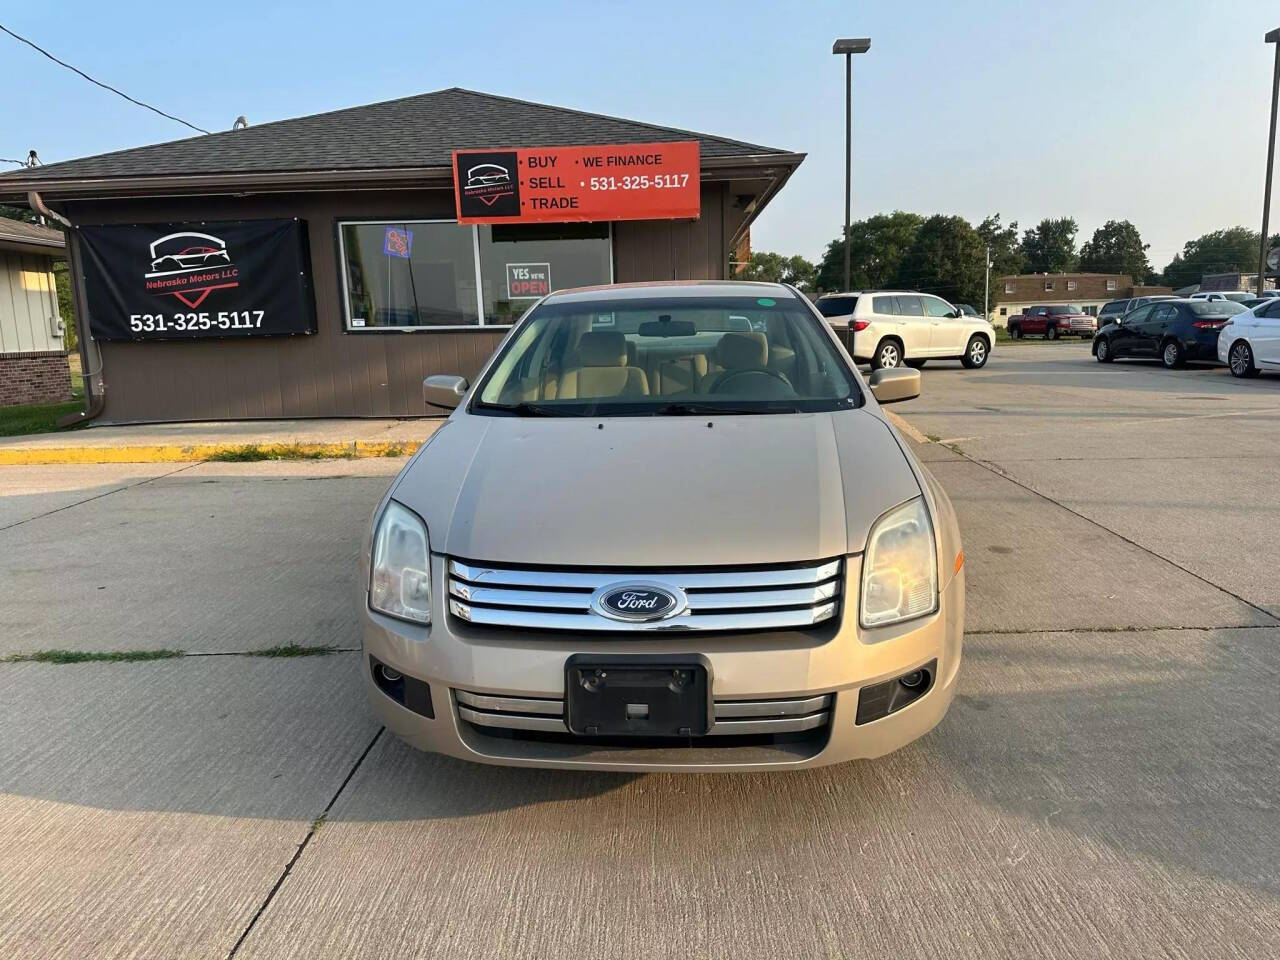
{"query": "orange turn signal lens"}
{"type": "Point", "coordinates": [959, 560]}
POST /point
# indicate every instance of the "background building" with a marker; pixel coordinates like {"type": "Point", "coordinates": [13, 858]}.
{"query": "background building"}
{"type": "Point", "coordinates": [33, 364]}
{"type": "Point", "coordinates": [348, 222]}
{"type": "Point", "coordinates": [1089, 291]}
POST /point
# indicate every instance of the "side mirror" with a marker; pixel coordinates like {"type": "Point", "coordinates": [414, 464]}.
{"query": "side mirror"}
{"type": "Point", "coordinates": [444, 390]}
{"type": "Point", "coordinates": [894, 385]}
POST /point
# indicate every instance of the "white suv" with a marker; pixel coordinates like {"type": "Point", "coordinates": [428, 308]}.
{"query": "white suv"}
{"type": "Point", "coordinates": [889, 328]}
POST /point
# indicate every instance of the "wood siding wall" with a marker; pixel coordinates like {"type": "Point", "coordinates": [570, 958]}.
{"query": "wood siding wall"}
{"type": "Point", "coordinates": [28, 304]}
{"type": "Point", "coordinates": [334, 373]}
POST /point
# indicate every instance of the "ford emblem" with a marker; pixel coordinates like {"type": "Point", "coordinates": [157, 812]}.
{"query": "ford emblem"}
{"type": "Point", "coordinates": [638, 602]}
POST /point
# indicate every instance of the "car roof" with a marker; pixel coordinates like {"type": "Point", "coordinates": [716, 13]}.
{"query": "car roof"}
{"type": "Point", "coordinates": [859, 293]}
{"type": "Point", "coordinates": [671, 288]}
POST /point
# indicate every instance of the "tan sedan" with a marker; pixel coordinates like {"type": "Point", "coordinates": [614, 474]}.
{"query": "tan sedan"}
{"type": "Point", "coordinates": [668, 529]}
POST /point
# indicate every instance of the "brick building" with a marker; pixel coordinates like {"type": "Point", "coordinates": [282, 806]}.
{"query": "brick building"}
{"type": "Point", "coordinates": [1089, 291]}
{"type": "Point", "coordinates": [33, 363]}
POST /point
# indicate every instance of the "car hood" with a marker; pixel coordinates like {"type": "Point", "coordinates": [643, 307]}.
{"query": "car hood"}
{"type": "Point", "coordinates": [656, 491]}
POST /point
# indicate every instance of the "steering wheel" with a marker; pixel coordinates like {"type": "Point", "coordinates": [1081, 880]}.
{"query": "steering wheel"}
{"type": "Point", "coordinates": [730, 375]}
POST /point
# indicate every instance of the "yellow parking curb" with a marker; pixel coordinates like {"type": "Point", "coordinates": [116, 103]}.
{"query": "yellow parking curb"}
{"type": "Point", "coordinates": [194, 453]}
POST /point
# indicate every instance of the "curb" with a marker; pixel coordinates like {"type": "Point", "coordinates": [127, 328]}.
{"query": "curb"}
{"type": "Point", "coordinates": [194, 453]}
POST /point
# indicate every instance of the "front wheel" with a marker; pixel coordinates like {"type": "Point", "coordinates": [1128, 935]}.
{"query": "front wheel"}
{"type": "Point", "coordinates": [976, 353]}
{"type": "Point", "coordinates": [1171, 356]}
{"type": "Point", "coordinates": [1103, 352]}
{"type": "Point", "coordinates": [887, 356]}
{"type": "Point", "coordinates": [1015, 333]}
{"type": "Point", "coordinates": [1240, 360]}
{"type": "Point", "coordinates": [916, 364]}
{"type": "Point", "coordinates": [1052, 333]}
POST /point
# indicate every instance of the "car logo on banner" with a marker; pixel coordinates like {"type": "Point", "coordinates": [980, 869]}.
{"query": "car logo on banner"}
{"type": "Point", "coordinates": [638, 602]}
{"type": "Point", "coordinates": [489, 184]}
{"type": "Point", "coordinates": [190, 266]}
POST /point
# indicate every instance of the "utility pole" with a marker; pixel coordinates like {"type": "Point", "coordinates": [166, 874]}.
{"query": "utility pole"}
{"type": "Point", "coordinates": [1272, 37]}
{"type": "Point", "coordinates": [847, 48]}
{"type": "Point", "coordinates": [986, 288]}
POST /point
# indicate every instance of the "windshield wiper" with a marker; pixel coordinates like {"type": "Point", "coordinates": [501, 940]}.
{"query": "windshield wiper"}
{"type": "Point", "coordinates": [523, 409]}
{"type": "Point", "coordinates": [686, 409]}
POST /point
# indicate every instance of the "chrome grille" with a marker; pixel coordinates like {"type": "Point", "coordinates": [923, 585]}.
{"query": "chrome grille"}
{"type": "Point", "coordinates": [732, 717]}
{"type": "Point", "coordinates": [753, 598]}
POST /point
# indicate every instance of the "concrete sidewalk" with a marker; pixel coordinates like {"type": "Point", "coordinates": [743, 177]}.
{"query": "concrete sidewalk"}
{"type": "Point", "coordinates": [189, 442]}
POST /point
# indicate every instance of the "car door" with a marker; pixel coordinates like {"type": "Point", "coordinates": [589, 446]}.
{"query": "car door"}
{"type": "Point", "coordinates": [1265, 337]}
{"type": "Point", "coordinates": [1037, 320]}
{"type": "Point", "coordinates": [947, 332]}
{"type": "Point", "coordinates": [1124, 340]}
{"type": "Point", "coordinates": [1162, 320]}
{"type": "Point", "coordinates": [913, 326]}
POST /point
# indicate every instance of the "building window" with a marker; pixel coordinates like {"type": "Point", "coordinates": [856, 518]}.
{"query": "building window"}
{"type": "Point", "coordinates": [1071, 284]}
{"type": "Point", "coordinates": [1048, 285]}
{"type": "Point", "coordinates": [1004, 311]}
{"type": "Point", "coordinates": [408, 274]}
{"type": "Point", "coordinates": [1111, 284]}
{"type": "Point", "coordinates": [1008, 286]}
{"type": "Point", "coordinates": [521, 262]}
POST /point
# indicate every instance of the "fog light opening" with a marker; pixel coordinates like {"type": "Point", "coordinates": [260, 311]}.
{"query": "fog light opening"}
{"type": "Point", "coordinates": [914, 680]}
{"type": "Point", "coordinates": [389, 675]}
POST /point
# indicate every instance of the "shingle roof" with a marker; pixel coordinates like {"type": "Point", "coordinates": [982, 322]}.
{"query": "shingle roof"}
{"type": "Point", "coordinates": [417, 131]}
{"type": "Point", "coordinates": [30, 233]}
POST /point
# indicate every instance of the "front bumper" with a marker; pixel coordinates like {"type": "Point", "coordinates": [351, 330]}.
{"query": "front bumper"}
{"type": "Point", "coordinates": [836, 658]}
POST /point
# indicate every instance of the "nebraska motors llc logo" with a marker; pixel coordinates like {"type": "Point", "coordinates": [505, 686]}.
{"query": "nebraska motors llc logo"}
{"type": "Point", "coordinates": [488, 183]}
{"type": "Point", "coordinates": [190, 266]}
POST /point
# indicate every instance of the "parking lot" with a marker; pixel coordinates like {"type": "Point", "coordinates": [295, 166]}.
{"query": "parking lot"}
{"type": "Point", "coordinates": [1107, 782]}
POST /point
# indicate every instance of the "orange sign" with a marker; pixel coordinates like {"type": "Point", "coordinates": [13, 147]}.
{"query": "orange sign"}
{"type": "Point", "coordinates": [624, 181]}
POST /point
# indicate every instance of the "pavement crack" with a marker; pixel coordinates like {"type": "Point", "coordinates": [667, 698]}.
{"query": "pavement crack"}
{"type": "Point", "coordinates": [297, 854]}
{"type": "Point", "coordinates": [996, 469]}
{"type": "Point", "coordinates": [97, 496]}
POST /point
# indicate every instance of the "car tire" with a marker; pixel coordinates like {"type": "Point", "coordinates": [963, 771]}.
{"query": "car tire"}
{"type": "Point", "coordinates": [1015, 333]}
{"type": "Point", "coordinates": [1172, 355]}
{"type": "Point", "coordinates": [1051, 333]}
{"type": "Point", "coordinates": [916, 364]}
{"type": "Point", "coordinates": [1240, 360]}
{"type": "Point", "coordinates": [888, 355]}
{"type": "Point", "coordinates": [1102, 350]}
{"type": "Point", "coordinates": [976, 352]}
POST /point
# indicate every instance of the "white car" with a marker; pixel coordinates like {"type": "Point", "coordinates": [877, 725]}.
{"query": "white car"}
{"type": "Point", "coordinates": [1236, 295]}
{"type": "Point", "coordinates": [1250, 341]}
{"type": "Point", "coordinates": [889, 328]}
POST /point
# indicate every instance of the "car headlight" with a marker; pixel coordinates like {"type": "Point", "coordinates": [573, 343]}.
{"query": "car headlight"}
{"type": "Point", "coordinates": [900, 567]}
{"type": "Point", "coordinates": [400, 572]}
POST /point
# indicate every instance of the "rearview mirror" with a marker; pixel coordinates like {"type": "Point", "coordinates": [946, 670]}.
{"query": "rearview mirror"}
{"type": "Point", "coordinates": [444, 390]}
{"type": "Point", "coordinates": [894, 385]}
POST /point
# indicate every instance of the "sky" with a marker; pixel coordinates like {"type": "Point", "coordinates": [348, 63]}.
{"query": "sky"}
{"type": "Point", "coordinates": [1152, 111]}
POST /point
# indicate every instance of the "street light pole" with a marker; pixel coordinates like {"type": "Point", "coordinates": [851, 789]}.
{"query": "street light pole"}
{"type": "Point", "coordinates": [848, 47]}
{"type": "Point", "coordinates": [1272, 37]}
{"type": "Point", "coordinates": [986, 288]}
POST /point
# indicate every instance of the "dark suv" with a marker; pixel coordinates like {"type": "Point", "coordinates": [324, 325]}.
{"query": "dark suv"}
{"type": "Point", "coordinates": [1175, 331]}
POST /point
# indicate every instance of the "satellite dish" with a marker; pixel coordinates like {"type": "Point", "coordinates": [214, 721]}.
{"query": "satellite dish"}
{"type": "Point", "coordinates": [1273, 259]}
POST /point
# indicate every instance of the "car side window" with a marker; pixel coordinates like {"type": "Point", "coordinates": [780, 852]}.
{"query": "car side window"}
{"type": "Point", "coordinates": [884, 305]}
{"type": "Point", "coordinates": [1272, 310]}
{"type": "Point", "coordinates": [933, 307]}
{"type": "Point", "coordinates": [1135, 317]}
{"type": "Point", "coordinates": [1165, 313]}
{"type": "Point", "coordinates": [910, 306]}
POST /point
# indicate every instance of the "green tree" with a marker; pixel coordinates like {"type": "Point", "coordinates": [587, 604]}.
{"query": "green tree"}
{"type": "Point", "coordinates": [17, 213]}
{"type": "Point", "coordinates": [1116, 247]}
{"type": "Point", "coordinates": [1050, 246]}
{"type": "Point", "coordinates": [1222, 251]}
{"type": "Point", "coordinates": [876, 248]}
{"type": "Point", "coordinates": [945, 258]}
{"type": "Point", "coordinates": [776, 268]}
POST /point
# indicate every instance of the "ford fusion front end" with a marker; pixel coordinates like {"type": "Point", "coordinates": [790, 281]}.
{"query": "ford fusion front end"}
{"type": "Point", "coordinates": [651, 541]}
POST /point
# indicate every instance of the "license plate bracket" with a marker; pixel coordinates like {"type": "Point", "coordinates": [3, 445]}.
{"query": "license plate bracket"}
{"type": "Point", "coordinates": [664, 695]}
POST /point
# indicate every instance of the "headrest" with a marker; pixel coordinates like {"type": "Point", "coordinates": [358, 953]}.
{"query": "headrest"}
{"type": "Point", "coordinates": [737, 351]}
{"type": "Point", "coordinates": [602, 348]}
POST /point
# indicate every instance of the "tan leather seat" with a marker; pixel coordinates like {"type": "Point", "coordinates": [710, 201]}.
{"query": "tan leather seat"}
{"type": "Point", "coordinates": [668, 375]}
{"type": "Point", "coordinates": [601, 370]}
{"type": "Point", "coordinates": [735, 351]}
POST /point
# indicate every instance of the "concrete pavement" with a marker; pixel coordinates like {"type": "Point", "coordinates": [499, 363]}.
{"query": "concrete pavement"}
{"type": "Point", "coordinates": [1105, 784]}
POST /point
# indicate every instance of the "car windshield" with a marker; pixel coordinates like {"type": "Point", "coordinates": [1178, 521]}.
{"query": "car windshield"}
{"type": "Point", "coordinates": [668, 356]}
{"type": "Point", "coordinates": [1215, 308]}
{"type": "Point", "coordinates": [1066, 308]}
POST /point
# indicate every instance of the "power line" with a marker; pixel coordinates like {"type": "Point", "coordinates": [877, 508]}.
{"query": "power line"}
{"type": "Point", "coordinates": [105, 86]}
{"type": "Point", "coordinates": [21, 163]}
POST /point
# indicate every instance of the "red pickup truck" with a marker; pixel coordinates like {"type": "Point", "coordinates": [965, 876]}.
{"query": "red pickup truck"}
{"type": "Point", "coordinates": [1052, 321]}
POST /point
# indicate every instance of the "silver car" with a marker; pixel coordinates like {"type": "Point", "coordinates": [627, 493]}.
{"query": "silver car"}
{"type": "Point", "coordinates": [653, 537]}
